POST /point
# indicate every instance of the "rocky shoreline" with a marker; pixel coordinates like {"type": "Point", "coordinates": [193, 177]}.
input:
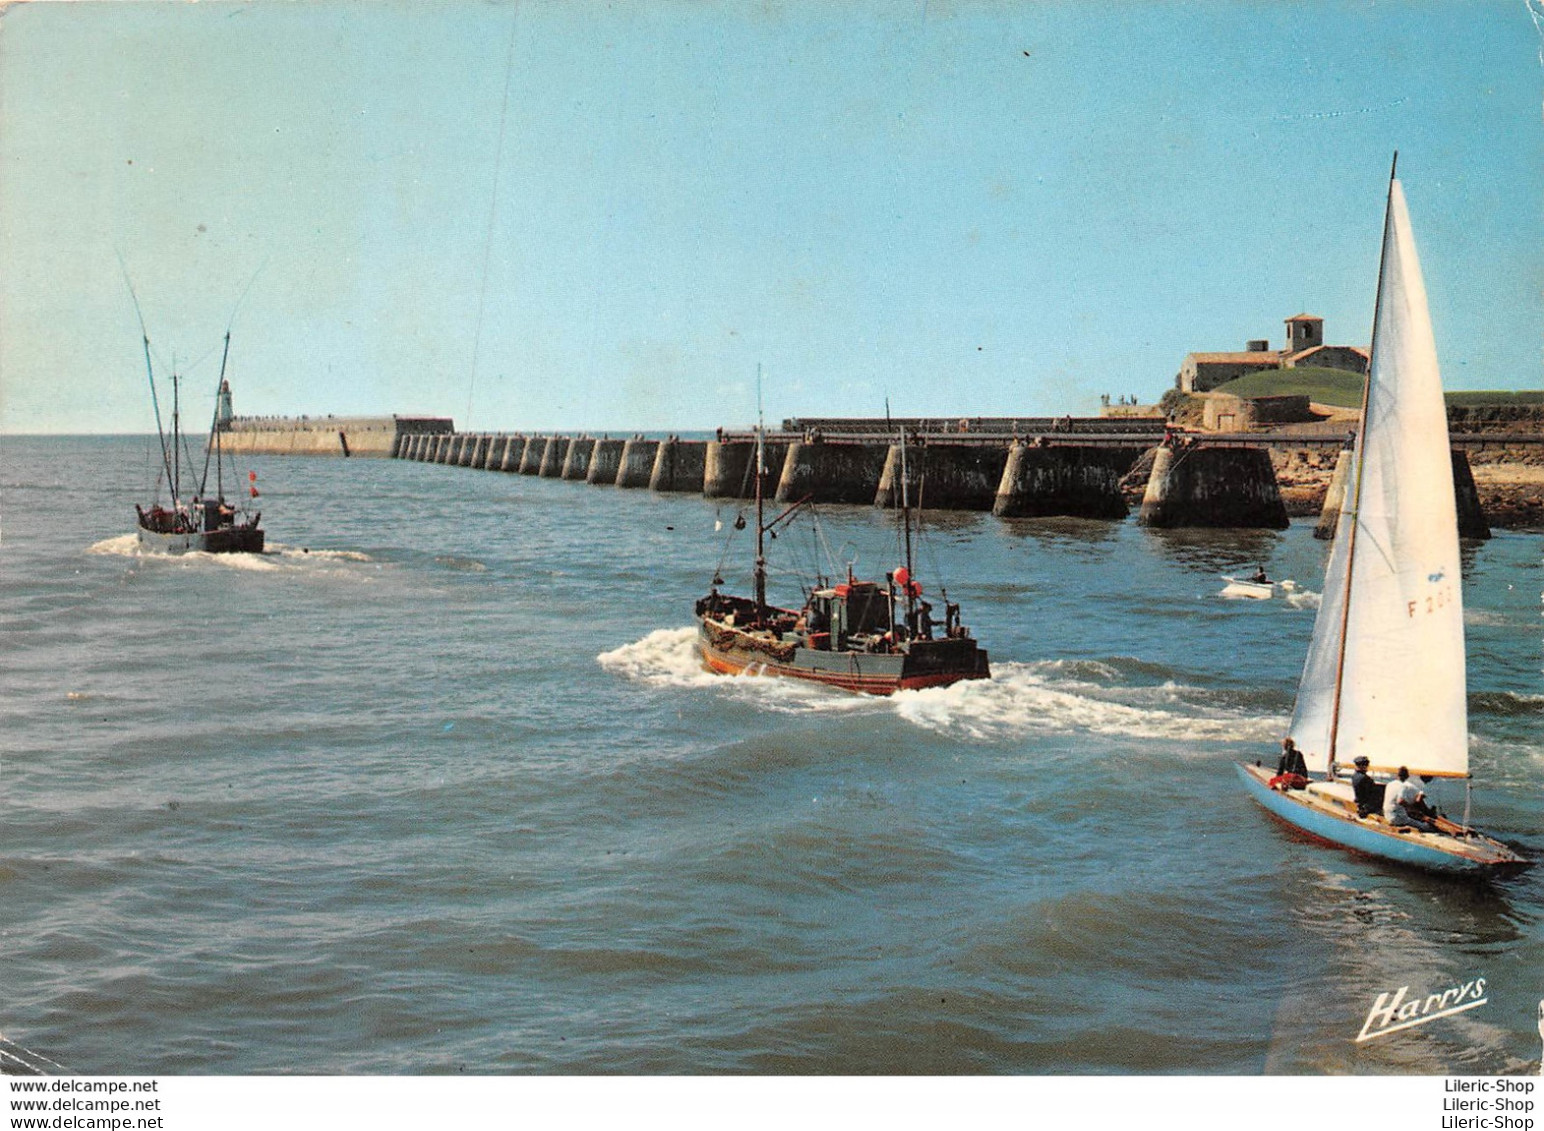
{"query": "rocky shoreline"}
{"type": "Point", "coordinates": [1510, 484]}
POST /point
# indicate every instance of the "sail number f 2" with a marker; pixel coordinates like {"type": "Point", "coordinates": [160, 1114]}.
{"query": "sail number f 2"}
{"type": "Point", "coordinates": [1440, 599]}
{"type": "Point", "coordinates": [1393, 1012]}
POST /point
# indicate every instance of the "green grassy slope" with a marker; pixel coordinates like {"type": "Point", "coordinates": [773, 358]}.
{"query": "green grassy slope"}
{"type": "Point", "coordinates": [1324, 386]}
{"type": "Point", "coordinates": [1337, 387]}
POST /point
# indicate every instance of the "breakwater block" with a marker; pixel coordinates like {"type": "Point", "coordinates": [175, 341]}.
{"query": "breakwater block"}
{"type": "Point", "coordinates": [1196, 485]}
{"type": "Point", "coordinates": [637, 466]}
{"type": "Point", "coordinates": [832, 473]}
{"type": "Point", "coordinates": [475, 450]}
{"type": "Point", "coordinates": [605, 461]}
{"type": "Point", "coordinates": [1082, 482]}
{"type": "Point", "coordinates": [955, 477]}
{"type": "Point", "coordinates": [1471, 514]}
{"type": "Point", "coordinates": [679, 465]}
{"type": "Point", "coordinates": [577, 465]}
{"type": "Point", "coordinates": [513, 454]}
{"type": "Point", "coordinates": [535, 449]}
{"type": "Point", "coordinates": [728, 469]}
{"type": "Point", "coordinates": [553, 458]}
{"type": "Point", "coordinates": [495, 457]}
{"type": "Point", "coordinates": [1472, 522]}
{"type": "Point", "coordinates": [1335, 495]}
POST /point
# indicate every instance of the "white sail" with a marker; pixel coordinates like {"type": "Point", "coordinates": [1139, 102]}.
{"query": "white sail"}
{"type": "Point", "coordinates": [1314, 717]}
{"type": "Point", "coordinates": [1402, 696]}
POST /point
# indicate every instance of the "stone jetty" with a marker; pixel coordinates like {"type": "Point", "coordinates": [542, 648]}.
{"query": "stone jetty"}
{"type": "Point", "coordinates": [1014, 467]}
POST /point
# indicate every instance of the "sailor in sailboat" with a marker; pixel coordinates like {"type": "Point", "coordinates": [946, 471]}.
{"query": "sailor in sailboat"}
{"type": "Point", "coordinates": [1291, 769]}
{"type": "Point", "coordinates": [1367, 793]}
{"type": "Point", "coordinates": [1383, 685]}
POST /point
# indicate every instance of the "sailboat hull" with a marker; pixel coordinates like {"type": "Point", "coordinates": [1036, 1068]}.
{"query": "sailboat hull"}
{"type": "Point", "coordinates": [1330, 819]}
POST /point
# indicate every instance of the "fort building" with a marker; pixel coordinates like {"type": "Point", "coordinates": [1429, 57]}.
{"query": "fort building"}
{"type": "Point", "coordinates": [1203, 372]}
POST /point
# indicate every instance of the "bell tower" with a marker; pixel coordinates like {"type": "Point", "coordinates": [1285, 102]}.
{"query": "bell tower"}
{"type": "Point", "coordinates": [1304, 332]}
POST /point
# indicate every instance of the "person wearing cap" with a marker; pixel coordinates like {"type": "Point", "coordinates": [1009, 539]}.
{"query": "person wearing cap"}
{"type": "Point", "coordinates": [1368, 793]}
{"type": "Point", "coordinates": [1402, 803]}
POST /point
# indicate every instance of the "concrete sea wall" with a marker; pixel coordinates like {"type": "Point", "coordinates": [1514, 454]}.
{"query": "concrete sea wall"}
{"type": "Point", "coordinates": [372, 436]}
{"type": "Point", "coordinates": [1194, 485]}
{"type": "Point", "coordinates": [1071, 468]}
{"type": "Point", "coordinates": [605, 462]}
{"type": "Point", "coordinates": [831, 472]}
{"type": "Point", "coordinates": [1038, 482]}
{"type": "Point", "coordinates": [679, 465]}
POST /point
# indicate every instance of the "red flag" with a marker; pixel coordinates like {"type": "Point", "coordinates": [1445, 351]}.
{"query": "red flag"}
{"type": "Point", "coordinates": [252, 483]}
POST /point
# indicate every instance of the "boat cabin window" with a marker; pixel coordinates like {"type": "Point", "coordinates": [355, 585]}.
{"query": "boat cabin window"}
{"type": "Point", "coordinates": [867, 609]}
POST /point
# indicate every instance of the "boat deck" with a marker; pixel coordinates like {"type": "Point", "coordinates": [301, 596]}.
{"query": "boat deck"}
{"type": "Point", "coordinates": [1326, 810]}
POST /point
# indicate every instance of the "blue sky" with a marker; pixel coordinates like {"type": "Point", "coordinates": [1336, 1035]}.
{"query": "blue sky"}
{"type": "Point", "coordinates": [966, 207]}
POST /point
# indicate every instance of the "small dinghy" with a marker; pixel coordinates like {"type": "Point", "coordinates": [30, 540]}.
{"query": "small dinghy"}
{"type": "Point", "coordinates": [1256, 587]}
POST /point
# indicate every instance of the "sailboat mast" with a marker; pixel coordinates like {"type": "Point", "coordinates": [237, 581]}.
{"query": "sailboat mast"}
{"type": "Point", "coordinates": [761, 470]}
{"type": "Point", "coordinates": [1356, 490]}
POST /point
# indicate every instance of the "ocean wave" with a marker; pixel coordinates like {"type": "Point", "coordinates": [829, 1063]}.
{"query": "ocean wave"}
{"type": "Point", "coordinates": [276, 556]}
{"type": "Point", "coordinates": [460, 565]}
{"type": "Point", "coordinates": [317, 555]}
{"type": "Point", "coordinates": [667, 658]}
{"type": "Point", "coordinates": [1505, 703]}
{"type": "Point", "coordinates": [1020, 700]}
{"type": "Point", "coordinates": [1049, 697]}
{"type": "Point", "coordinates": [124, 545]}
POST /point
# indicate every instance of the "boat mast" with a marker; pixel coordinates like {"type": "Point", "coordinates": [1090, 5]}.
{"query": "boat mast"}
{"type": "Point", "coordinates": [906, 528]}
{"type": "Point", "coordinates": [155, 401]}
{"type": "Point", "coordinates": [1361, 456]}
{"type": "Point", "coordinates": [761, 470]}
{"type": "Point", "coordinates": [176, 439]}
{"type": "Point", "coordinates": [213, 446]}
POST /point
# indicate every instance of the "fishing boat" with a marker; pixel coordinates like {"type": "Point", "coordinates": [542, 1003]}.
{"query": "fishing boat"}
{"type": "Point", "coordinates": [865, 636]}
{"type": "Point", "coordinates": [191, 518]}
{"type": "Point", "coordinates": [1383, 686]}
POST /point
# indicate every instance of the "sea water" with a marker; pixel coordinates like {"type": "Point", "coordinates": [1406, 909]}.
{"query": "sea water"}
{"type": "Point", "coordinates": [436, 785]}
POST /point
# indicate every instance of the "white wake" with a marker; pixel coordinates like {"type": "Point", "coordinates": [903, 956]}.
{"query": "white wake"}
{"type": "Point", "coordinates": [1020, 699]}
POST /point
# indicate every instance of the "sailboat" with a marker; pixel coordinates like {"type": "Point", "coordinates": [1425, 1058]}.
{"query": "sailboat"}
{"type": "Point", "coordinates": [196, 520]}
{"type": "Point", "coordinates": [1384, 679]}
{"type": "Point", "coordinates": [861, 636]}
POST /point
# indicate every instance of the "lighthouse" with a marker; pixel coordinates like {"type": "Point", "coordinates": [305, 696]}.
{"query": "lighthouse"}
{"type": "Point", "coordinates": [222, 412]}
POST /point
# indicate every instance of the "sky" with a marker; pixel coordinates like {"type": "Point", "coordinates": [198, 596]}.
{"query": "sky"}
{"type": "Point", "coordinates": [575, 215]}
